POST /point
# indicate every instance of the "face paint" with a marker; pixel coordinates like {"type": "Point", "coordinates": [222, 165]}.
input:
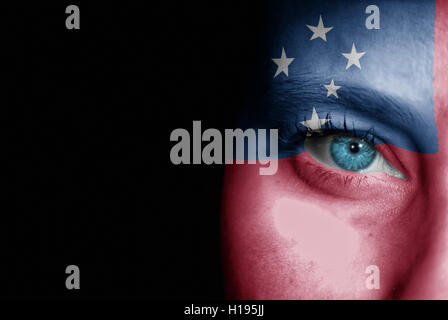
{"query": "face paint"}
{"type": "Point", "coordinates": [312, 230]}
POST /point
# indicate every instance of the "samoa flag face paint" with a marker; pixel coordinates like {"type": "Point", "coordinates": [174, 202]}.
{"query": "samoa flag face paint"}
{"type": "Point", "coordinates": [320, 55]}
{"type": "Point", "coordinates": [357, 92]}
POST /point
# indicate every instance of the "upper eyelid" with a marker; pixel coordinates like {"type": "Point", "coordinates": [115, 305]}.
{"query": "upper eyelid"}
{"type": "Point", "coordinates": [366, 103]}
{"type": "Point", "coordinates": [369, 102]}
{"type": "Point", "coordinates": [359, 122]}
{"type": "Point", "coordinates": [373, 104]}
{"type": "Point", "coordinates": [372, 130]}
{"type": "Point", "coordinates": [330, 129]}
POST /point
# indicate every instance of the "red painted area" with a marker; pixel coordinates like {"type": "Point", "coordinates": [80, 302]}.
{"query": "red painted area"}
{"type": "Point", "coordinates": [303, 235]}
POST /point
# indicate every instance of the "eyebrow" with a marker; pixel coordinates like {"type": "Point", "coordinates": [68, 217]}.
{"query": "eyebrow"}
{"type": "Point", "coordinates": [378, 106]}
{"type": "Point", "coordinates": [299, 97]}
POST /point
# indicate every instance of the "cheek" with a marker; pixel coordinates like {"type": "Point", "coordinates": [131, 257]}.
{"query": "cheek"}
{"type": "Point", "coordinates": [281, 245]}
{"type": "Point", "coordinates": [282, 240]}
{"type": "Point", "coordinates": [317, 236]}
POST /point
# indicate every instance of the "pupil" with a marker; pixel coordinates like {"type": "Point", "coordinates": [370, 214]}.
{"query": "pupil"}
{"type": "Point", "coordinates": [354, 147]}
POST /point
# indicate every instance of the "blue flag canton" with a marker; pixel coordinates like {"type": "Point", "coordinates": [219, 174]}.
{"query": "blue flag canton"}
{"type": "Point", "coordinates": [321, 56]}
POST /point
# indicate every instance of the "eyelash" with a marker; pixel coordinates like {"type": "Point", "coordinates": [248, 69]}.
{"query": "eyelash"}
{"type": "Point", "coordinates": [329, 128]}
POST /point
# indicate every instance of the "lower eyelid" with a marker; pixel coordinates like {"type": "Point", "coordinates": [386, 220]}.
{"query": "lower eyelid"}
{"type": "Point", "coordinates": [343, 184]}
{"type": "Point", "coordinates": [316, 176]}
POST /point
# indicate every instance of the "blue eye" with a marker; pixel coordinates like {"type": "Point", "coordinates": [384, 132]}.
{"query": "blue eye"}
{"type": "Point", "coordinates": [351, 153]}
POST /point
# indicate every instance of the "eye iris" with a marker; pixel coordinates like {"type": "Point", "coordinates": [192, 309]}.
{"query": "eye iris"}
{"type": "Point", "coordinates": [351, 153]}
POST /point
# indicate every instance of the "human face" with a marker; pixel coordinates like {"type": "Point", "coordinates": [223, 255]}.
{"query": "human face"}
{"type": "Point", "coordinates": [311, 230]}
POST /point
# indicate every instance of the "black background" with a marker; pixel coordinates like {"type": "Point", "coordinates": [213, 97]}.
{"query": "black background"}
{"type": "Point", "coordinates": [87, 122]}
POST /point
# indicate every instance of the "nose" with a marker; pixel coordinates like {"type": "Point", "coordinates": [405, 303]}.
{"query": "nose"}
{"type": "Point", "coordinates": [429, 276]}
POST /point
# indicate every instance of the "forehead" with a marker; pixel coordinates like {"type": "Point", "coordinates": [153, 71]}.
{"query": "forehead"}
{"type": "Point", "coordinates": [392, 89]}
{"type": "Point", "coordinates": [398, 58]}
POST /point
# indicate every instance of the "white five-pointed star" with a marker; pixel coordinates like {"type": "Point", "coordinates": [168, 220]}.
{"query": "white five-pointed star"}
{"type": "Point", "coordinates": [353, 57]}
{"type": "Point", "coordinates": [331, 89]}
{"type": "Point", "coordinates": [315, 123]}
{"type": "Point", "coordinates": [319, 31]}
{"type": "Point", "coordinates": [282, 63]}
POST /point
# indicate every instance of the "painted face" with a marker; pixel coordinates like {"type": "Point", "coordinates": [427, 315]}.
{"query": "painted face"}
{"type": "Point", "coordinates": [358, 207]}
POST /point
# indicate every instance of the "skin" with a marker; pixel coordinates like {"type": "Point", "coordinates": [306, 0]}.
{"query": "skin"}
{"type": "Point", "coordinates": [273, 248]}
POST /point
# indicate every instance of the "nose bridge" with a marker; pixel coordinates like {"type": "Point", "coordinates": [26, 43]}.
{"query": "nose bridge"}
{"type": "Point", "coordinates": [429, 278]}
{"type": "Point", "coordinates": [436, 165]}
{"type": "Point", "coordinates": [437, 283]}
